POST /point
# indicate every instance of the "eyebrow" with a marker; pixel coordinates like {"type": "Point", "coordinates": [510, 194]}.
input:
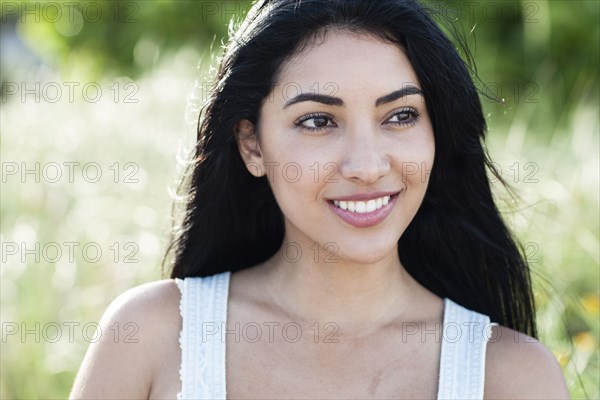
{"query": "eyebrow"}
{"type": "Point", "coordinates": [336, 101]}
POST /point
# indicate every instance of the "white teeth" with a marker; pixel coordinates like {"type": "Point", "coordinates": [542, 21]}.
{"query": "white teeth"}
{"type": "Point", "coordinates": [371, 204]}
{"type": "Point", "coordinates": [362, 206]}
{"type": "Point", "coordinates": [351, 206]}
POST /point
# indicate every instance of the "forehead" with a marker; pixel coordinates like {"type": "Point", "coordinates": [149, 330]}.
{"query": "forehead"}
{"type": "Point", "coordinates": [348, 61]}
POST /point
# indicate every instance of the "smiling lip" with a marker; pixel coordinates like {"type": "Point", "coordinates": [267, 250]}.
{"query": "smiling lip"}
{"type": "Point", "coordinates": [365, 220]}
{"type": "Point", "coordinates": [364, 196]}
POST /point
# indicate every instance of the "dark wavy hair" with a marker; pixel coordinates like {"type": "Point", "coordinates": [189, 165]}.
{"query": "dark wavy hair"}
{"type": "Point", "coordinates": [457, 246]}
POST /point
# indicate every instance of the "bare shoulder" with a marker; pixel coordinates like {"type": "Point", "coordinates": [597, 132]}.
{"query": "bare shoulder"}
{"type": "Point", "coordinates": [520, 367]}
{"type": "Point", "coordinates": [152, 300]}
{"type": "Point", "coordinates": [137, 335]}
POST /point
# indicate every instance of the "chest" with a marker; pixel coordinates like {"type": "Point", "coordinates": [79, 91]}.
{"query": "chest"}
{"type": "Point", "coordinates": [289, 366]}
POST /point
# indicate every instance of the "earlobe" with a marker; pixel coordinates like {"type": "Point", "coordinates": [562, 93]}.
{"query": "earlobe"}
{"type": "Point", "coordinates": [249, 147]}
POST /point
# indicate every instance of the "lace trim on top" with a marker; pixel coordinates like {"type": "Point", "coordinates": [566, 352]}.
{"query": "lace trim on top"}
{"type": "Point", "coordinates": [465, 334]}
{"type": "Point", "coordinates": [203, 309]}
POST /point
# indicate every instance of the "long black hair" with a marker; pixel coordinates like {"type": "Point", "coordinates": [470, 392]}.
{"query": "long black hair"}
{"type": "Point", "coordinates": [457, 246]}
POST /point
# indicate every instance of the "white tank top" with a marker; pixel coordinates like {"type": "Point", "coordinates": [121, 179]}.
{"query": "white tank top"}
{"type": "Point", "coordinates": [203, 308]}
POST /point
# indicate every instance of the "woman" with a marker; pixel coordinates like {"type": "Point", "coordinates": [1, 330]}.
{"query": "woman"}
{"type": "Point", "coordinates": [340, 238]}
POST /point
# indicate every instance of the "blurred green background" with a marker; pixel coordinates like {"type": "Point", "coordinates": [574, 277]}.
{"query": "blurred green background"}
{"type": "Point", "coordinates": [99, 100]}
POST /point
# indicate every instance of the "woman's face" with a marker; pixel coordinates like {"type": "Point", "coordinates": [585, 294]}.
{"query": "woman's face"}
{"type": "Point", "coordinates": [359, 132]}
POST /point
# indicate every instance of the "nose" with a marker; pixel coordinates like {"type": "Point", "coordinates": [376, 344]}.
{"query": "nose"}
{"type": "Point", "coordinates": [365, 159]}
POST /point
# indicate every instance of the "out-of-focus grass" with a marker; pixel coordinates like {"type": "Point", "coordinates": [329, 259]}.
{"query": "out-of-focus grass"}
{"type": "Point", "coordinates": [129, 205]}
{"type": "Point", "coordinates": [558, 222]}
{"type": "Point", "coordinates": [554, 168]}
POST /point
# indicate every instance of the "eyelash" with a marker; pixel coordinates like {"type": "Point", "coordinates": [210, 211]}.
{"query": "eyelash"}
{"type": "Point", "coordinates": [414, 113]}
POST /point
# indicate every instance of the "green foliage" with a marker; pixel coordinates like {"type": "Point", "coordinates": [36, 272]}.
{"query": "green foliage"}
{"type": "Point", "coordinates": [114, 37]}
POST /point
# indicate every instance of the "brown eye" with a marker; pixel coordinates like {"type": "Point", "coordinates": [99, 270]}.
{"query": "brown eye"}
{"type": "Point", "coordinates": [315, 122]}
{"type": "Point", "coordinates": [320, 121]}
{"type": "Point", "coordinates": [403, 117]}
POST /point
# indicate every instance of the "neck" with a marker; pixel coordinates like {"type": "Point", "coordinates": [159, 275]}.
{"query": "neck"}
{"type": "Point", "coordinates": [358, 297]}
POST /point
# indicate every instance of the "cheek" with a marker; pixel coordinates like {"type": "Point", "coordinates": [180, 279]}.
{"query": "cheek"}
{"type": "Point", "coordinates": [292, 173]}
{"type": "Point", "coordinates": [414, 159]}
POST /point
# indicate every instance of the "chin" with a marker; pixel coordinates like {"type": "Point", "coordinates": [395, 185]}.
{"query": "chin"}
{"type": "Point", "coordinates": [366, 255]}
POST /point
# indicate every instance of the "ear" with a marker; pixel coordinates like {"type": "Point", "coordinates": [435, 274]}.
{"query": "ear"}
{"type": "Point", "coordinates": [247, 141]}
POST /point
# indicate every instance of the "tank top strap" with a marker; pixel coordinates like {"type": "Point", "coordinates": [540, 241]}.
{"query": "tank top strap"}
{"type": "Point", "coordinates": [465, 334]}
{"type": "Point", "coordinates": [203, 309]}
